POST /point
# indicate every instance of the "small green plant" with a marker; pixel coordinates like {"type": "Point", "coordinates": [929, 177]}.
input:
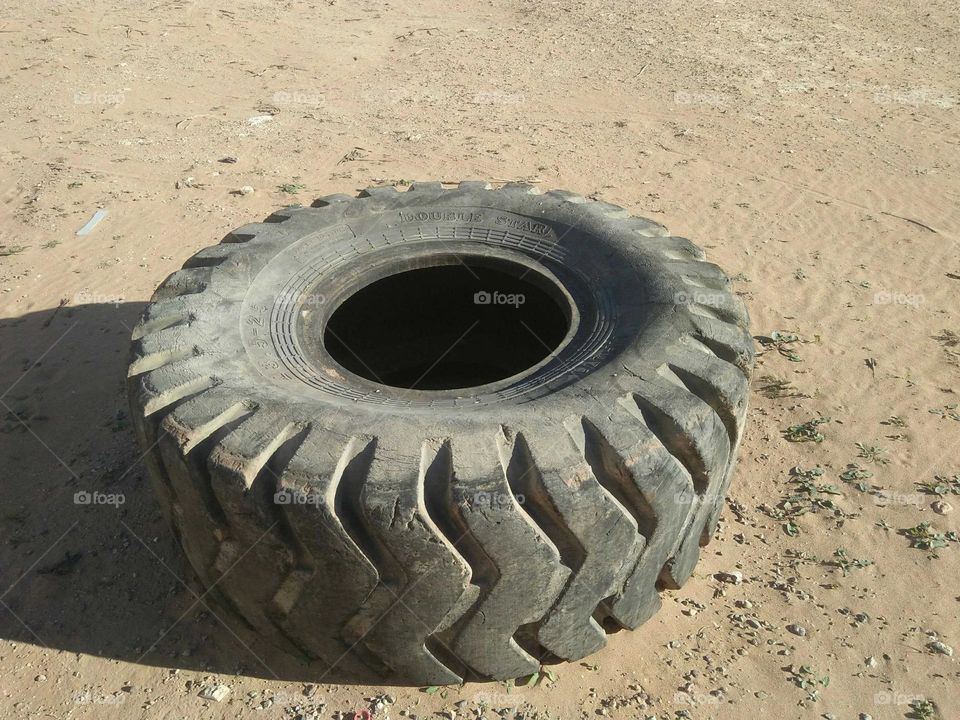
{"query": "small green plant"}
{"type": "Point", "coordinates": [894, 421]}
{"type": "Point", "coordinates": [948, 338]}
{"type": "Point", "coordinates": [806, 496]}
{"type": "Point", "coordinates": [941, 485]}
{"type": "Point", "coordinates": [922, 710]}
{"type": "Point", "coordinates": [806, 678]}
{"type": "Point", "coordinates": [806, 432]}
{"type": "Point", "coordinates": [947, 412]}
{"type": "Point", "coordinates": [782, 341]}
{"type": "Point", "coordinates": [7, 250]}
{"type": "Point", "coordinates": [291, 188]}
{"type": "Point", "coordinates": [855, 472]}
{"type": "Point", "coordinates": [872, 453]}
{"type": "Point", "coordinates": [539, 678]}
{"type": "Point", "coordinates": [855, 475]}
{"type": "Point", "coordinates": [50, 244]}
{"type": "Point", "coordinates": [806, 486]}
{"type": "Point", "coordinates": [775, 388]}
{"type": "Point", "coordinates": [846, 563]}
{"type": "Point", "coordinates": [925, 537]}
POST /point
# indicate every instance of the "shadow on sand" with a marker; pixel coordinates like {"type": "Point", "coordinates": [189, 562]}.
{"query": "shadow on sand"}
{"type": "Point", "coordinates": [81, 571]}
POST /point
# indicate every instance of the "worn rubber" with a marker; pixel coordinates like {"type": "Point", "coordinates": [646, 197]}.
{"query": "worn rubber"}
{"type": "Point", "coordinates": [451, 535]}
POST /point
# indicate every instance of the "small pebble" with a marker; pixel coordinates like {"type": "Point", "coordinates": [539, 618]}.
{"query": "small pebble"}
{"type": "Point", "coordinates": [941, 648]}
{"type": "Point", "coordinates": [734, 578]}
{"type": "Point", "coordinates": [217, 693]}
{"type": "Point", "coordinates": [870, 662]}
{"type": "Point", "coordinates": [941, 507]}
{"type": "Point", "coordinates": [797, 630]}
{"type": "Point", "coordinates": [246, 190]}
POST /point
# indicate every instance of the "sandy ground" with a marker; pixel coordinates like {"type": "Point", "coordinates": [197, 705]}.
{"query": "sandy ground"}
{"type": "Point", "coordinates": [811, 148]}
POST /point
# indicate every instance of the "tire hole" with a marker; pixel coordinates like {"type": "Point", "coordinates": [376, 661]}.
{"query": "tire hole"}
{"type": "Point", "coordinates": [451, 326]}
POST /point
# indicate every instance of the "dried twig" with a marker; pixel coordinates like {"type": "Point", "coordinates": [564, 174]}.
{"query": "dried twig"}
{"type": "Point", "coordinates": [910, 220]}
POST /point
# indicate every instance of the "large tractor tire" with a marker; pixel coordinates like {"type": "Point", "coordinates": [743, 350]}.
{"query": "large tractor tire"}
{"type": "Point", "coordinates": [443, 433]}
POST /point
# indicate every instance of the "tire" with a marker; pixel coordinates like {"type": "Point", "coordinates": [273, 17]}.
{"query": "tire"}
{"type": "Point", "coordinates": [504, 508]}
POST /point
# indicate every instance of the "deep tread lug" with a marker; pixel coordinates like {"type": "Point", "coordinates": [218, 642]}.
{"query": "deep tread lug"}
{"type": "Point", "coordinates": [530, 575]}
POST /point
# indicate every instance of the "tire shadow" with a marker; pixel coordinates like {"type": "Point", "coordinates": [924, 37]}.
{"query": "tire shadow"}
{"type": "Point", "coordinates": [87, 562]}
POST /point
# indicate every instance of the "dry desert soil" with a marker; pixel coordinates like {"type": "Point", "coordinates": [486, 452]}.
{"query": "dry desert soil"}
{"type": "Point", "coordinates": [811, 148]}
